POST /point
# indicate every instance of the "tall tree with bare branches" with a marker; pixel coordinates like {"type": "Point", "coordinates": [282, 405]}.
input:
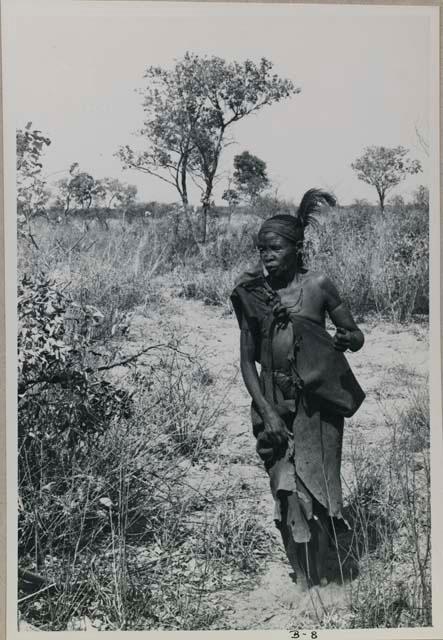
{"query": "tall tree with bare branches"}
{"type": "Point", "coordinates": [189, 110]}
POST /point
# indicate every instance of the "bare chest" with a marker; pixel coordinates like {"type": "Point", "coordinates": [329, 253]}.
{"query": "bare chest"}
{"type": "Point", "coordinates": [304, 299]}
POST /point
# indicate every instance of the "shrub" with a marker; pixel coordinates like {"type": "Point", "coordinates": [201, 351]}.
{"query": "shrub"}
{"type": "Point", "coordinates": [389, 505]}
{"type": "Point", "coordinates": [213, 286]}
{"type": "Point", "coordinates": [235, 536]}
{"type": "Point", "coordinates": [112, 271]}
{"type": "Point", "coordinates": [107, 512]}
{"type": "Point", "coordinates": [380, 264]}
{"type": "Point", "coordinates": [64, 408]}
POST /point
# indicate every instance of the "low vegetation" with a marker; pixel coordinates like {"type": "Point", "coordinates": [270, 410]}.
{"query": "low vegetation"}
{"type": "Point", "coordinates": [381, 262]}
{"type": "Point", "coordinates": [389, 506]}
{"type": "Point", "coordinates": [114, 530]}
{"type": "Point", "coordinates": [125, 519]}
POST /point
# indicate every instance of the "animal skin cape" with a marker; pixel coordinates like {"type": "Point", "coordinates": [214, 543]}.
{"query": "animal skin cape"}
{"type": "Point", "coordinates": [313, 395]}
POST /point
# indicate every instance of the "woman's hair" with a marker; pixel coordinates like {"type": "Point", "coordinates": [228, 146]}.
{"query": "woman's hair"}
{"type": "Point", "coordinates": [292, 227]}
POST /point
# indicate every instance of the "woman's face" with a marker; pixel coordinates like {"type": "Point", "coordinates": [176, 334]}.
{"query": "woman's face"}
{"type": "Point", "coordinates": [276, 253]}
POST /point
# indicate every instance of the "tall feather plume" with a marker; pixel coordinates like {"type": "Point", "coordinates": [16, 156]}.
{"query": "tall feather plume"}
{"type": "Point", "coordinates": [310, 204]}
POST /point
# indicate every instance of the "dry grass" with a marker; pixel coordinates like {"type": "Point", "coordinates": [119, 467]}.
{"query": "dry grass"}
{"type": "Point", "coordinates": [379, 263]}
{"type": "Point", "coordinates": [116, 523]}
{"type": "Point", "coordinates": [119, 527]}
{"type": "Point", "coordinates": [380, 572]}
{"type": "Point", "coordinates": [389, 505]}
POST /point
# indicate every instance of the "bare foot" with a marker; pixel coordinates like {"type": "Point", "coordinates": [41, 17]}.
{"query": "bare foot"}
{"type": "Point", "coordinates": [303, 584]}
{"type": "Point", "coordinates": [300, 580]}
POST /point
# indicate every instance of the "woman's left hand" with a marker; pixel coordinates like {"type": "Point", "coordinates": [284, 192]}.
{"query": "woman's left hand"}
{"type": "Point", "coordinates": [342, 339]}
{"type": "Point", "coordinates": [281, 313]}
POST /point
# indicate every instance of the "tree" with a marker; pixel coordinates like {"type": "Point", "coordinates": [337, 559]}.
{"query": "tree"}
{"type": "Point", "coordinates": [421, 198]}
{"type": "Point", "coordinates": [80, 191]}
{"type": "Point", "coordinates": [229, 92]}
{"type": "Point", "coordinates": [188, 111]}
{"type": "Point", "coordinates": [397, 203]}
{"type": "Point", "coordinates": [232, 197]}
{"type": "Point", "coordinates": [171, 110]}
{"type": "Point", "coordinates": [384, 168]}
{"type": "Point", "coordinates": [250, 175]}
{"type": "Point", "coordinates": [360, 203]}
{"type": "Point", "coordinates": [32, 194]}
{"type": "Point", "coordinates": [118, 194]}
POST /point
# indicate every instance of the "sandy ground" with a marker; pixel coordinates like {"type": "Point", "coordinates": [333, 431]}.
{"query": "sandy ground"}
{"type": "Point", "coordinates": [393, 361]}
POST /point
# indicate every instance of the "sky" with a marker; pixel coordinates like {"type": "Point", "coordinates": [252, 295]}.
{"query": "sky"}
{"type": "Point", "coordinates": [364, 75]}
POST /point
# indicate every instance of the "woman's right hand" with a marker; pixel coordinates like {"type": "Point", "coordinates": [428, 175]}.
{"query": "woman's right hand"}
{"type": "Point", "coordinates": [275, 424]}
{"type": "Point", "coordinates": [272, 442]}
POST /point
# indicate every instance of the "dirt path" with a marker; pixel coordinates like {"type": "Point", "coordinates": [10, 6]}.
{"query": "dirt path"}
{"type": "Point", "coordinates": [393, 361]}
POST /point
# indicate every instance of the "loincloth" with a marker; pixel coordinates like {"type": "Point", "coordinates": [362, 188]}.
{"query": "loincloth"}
{"type": "Point", "coordinates": [308, 473]}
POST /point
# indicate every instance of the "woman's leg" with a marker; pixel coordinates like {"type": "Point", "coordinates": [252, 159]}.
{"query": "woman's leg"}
{"type": "Point", "coordinates": [320, 536]}
{"type": "Point", "coordinates": [307, 559]}
{"type": "Point", "coordinates": [321, 526]}
{"type": "Point", "coordinates": [293, 550]}
{"type": "Point", "coordinates": [311, 556]}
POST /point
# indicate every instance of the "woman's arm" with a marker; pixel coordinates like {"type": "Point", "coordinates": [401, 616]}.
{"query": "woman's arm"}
{"type": "Point", "coordinates": [272, 421]}
{"type": "Point", "coordinates": [348, 334]}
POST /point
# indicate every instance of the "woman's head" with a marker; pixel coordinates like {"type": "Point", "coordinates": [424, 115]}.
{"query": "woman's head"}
{"type": "Point", "coordinates": [280, 239]}
{"type": "Point", "coordinates": [280, 243]}
{"type": "Point", "coordinates": [287, 226]}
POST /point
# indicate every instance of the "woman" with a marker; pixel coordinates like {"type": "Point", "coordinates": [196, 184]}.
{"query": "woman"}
{"type": "Point", "coordinates": [305, 387]}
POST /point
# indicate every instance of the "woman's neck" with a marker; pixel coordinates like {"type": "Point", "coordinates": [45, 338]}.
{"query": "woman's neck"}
{"type": "Point", "coordinates": [285, 279]}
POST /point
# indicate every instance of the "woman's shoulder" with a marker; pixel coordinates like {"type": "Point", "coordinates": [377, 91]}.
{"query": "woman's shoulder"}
{"type": "Point", "coordinates": [318, 278]}
{"type": "Point", "coordinates": [323, 288]}
{"type": "Point", "coordinates": [251, 295]}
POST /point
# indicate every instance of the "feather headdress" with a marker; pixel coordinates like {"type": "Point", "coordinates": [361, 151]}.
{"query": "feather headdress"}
{"type": "Point", "coordinates": [293, 227]}
{"type": "Point", "coordinates": [310, 204]}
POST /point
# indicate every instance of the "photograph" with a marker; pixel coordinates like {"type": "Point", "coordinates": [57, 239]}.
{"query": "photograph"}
{"type": "Point", "coordinates": [222, 318]}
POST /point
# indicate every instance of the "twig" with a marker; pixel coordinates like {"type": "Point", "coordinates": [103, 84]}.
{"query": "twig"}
{"type": "Point", "coordinates": [137, 355]}
{"type": "Point", "coordinates": [121, 363]}
{"type": "Point", "coordinates": [89, 246]}
{"type": "Point", "coordinates": [31, 237]}
{"type": "Point", "coordinates": [65, 376]}
{"type": "Point", "coordinates": [266, 619]}
{"type": "Point", "coordinates": [66, 285]}
{"type": "Point", "coordinates": [32, 595]}
{"type": "Point", "coordinates": [76, 243]}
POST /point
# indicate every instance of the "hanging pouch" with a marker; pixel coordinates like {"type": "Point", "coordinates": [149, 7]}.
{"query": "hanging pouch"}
{"type": "Point", "coordinates": [329, 382]}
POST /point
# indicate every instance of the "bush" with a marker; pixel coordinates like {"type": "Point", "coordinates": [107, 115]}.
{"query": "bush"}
{"type": "Point", "coordinates": [389, 505]}
{"type": "Point", "coordinates": [236, 536]}
{"type": "Point", "coordinates": [380, 264]}
{"type": "Point", "coordinates": [108, 514]}
{"type": "Point", "coordinates": [65, 407]}
{"type": "Point", "coordinates": [112, 532]}
{"type": "Point", "coordinates": [112, 270]}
